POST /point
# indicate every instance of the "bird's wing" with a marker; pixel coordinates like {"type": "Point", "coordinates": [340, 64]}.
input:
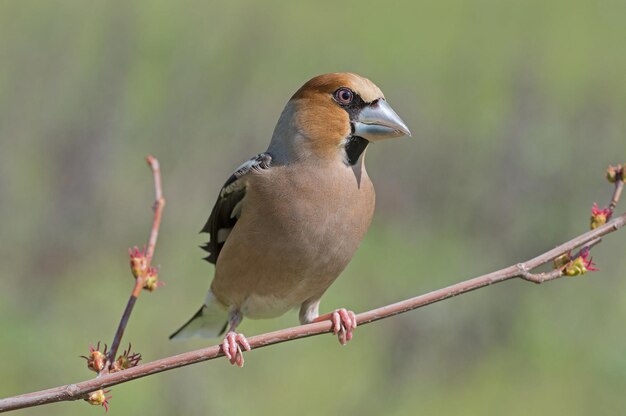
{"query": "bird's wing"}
{"type": "Point", "coordinates": [227, 208]}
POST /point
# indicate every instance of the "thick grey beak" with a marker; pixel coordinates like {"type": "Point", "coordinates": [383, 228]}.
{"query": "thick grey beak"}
{"type": "Point", "coordinates": [378, 121]}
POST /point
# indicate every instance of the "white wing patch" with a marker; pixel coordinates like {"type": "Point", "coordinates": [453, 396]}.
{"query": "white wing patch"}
{"type": "Point", "coordinates": [236, 212]}
{"type": "Point", "coordinates": [222, 234]}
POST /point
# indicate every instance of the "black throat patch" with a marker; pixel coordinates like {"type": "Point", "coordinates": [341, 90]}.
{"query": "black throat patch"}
{"type": "Point", "coordinates": [355, 146]}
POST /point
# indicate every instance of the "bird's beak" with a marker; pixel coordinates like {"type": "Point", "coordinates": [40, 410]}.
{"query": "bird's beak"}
{"type": "Point", "coordinates": [378, 121]}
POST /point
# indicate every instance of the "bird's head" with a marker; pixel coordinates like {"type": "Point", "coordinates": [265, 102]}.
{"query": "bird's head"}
{"type": "Point", "coordinates": [334, 116]}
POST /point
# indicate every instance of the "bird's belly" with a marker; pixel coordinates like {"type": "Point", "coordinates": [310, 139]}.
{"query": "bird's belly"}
{"type": "Point", "coordinates": [282, 274]}
{"type": "Point", "coordinates": [263, 306]}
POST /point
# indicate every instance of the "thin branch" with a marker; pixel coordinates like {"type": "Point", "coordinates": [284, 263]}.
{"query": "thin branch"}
{"type": "Point", "coordinates": [159, 203]}
{"type": "Point", "coordinates": [617, 193]}
{"type": "Point", "coordinates": [538, 277]}
{"type": "Point", "coordinates": [521, 270]}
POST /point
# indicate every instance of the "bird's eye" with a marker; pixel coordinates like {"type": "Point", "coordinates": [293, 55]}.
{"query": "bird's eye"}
{"type": "Point", "coordinates": [344, 96]}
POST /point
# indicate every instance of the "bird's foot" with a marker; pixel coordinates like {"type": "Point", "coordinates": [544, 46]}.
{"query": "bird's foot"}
{"type": "Point", "coordinates": [344, 322]}
{"type": "Point", "coordinates": [232, 347]}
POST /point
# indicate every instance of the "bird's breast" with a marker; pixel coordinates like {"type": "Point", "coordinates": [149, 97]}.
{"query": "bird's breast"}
{"type": "Point", "coordinates": [298, 229]}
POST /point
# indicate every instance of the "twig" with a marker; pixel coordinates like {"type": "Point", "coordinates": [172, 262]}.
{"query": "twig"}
{"type": "Point", "coordinates": [617, 193]}
{"type": "Point", "coordinates": [141, 278]}
{"type": "Point", "coordinates": [521, 270]}
{"type": "Point", "coordinates": [159, 203]}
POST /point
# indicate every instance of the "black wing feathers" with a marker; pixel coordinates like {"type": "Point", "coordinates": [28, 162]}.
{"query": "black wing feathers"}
{"type": "Point", "coordinates": [226, 211]}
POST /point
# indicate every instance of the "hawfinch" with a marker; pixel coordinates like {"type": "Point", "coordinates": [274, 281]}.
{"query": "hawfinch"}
{"type": "Point", "coordinates": [288, 221]}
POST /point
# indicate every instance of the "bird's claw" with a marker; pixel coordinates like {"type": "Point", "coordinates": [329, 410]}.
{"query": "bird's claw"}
{"type": "Point", "coordinates": [232, 347]}
{"type": "Point", "coordinates": [344, 322]}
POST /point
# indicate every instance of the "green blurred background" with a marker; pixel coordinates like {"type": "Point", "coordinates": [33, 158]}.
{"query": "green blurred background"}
{"type": "Point", "coordinates": [516, 108]}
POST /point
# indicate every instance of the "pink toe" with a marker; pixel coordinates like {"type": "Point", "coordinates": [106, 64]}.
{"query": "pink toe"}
{"type": "Point", "coordinates": [353, 316]}
{"type": "Point", "coordinates": [343, 336]}
{"type": "Point", "coordinates": [226, 348]}
{"type": "Point", "coordinates": [239, 359]}
{"type": "Point", "coordinates": [233, 348]}
{"type": "Point", "coordinates": [345, 317]}
{"type": "Point", "coordinates": [243, 341]}
{"type": "Point", "coordinates": [336, 322]}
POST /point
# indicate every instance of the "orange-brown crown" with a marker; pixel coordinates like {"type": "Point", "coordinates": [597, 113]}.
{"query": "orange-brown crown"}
{"type": "Point", "coordinates": [327, 84]}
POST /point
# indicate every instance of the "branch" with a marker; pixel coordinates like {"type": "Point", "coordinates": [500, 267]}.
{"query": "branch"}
{"type": "Point", "coordinates": [141, 272]}
{"type": "Point", "coordinates": [521, 270]}
{"type": "Point", "coordinates": [159, 203]}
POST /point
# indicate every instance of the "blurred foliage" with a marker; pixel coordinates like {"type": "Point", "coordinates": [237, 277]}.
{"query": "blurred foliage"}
{"type": "Point", "coordinates": [516, 109]}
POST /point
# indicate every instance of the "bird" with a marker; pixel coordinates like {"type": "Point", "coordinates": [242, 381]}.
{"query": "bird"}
{"type": "Point", "coordinates": [288, 221]}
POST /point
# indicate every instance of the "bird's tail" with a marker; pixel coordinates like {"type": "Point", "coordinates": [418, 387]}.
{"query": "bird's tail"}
{"type": "Point", "coordinates": [209, 322]}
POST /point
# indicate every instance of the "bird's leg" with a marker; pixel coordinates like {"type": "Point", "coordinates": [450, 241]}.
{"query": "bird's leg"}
{"type": "Point", "coordinates": [234, 341]}
{"type": "Point", "coordinates": [344, 321]}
